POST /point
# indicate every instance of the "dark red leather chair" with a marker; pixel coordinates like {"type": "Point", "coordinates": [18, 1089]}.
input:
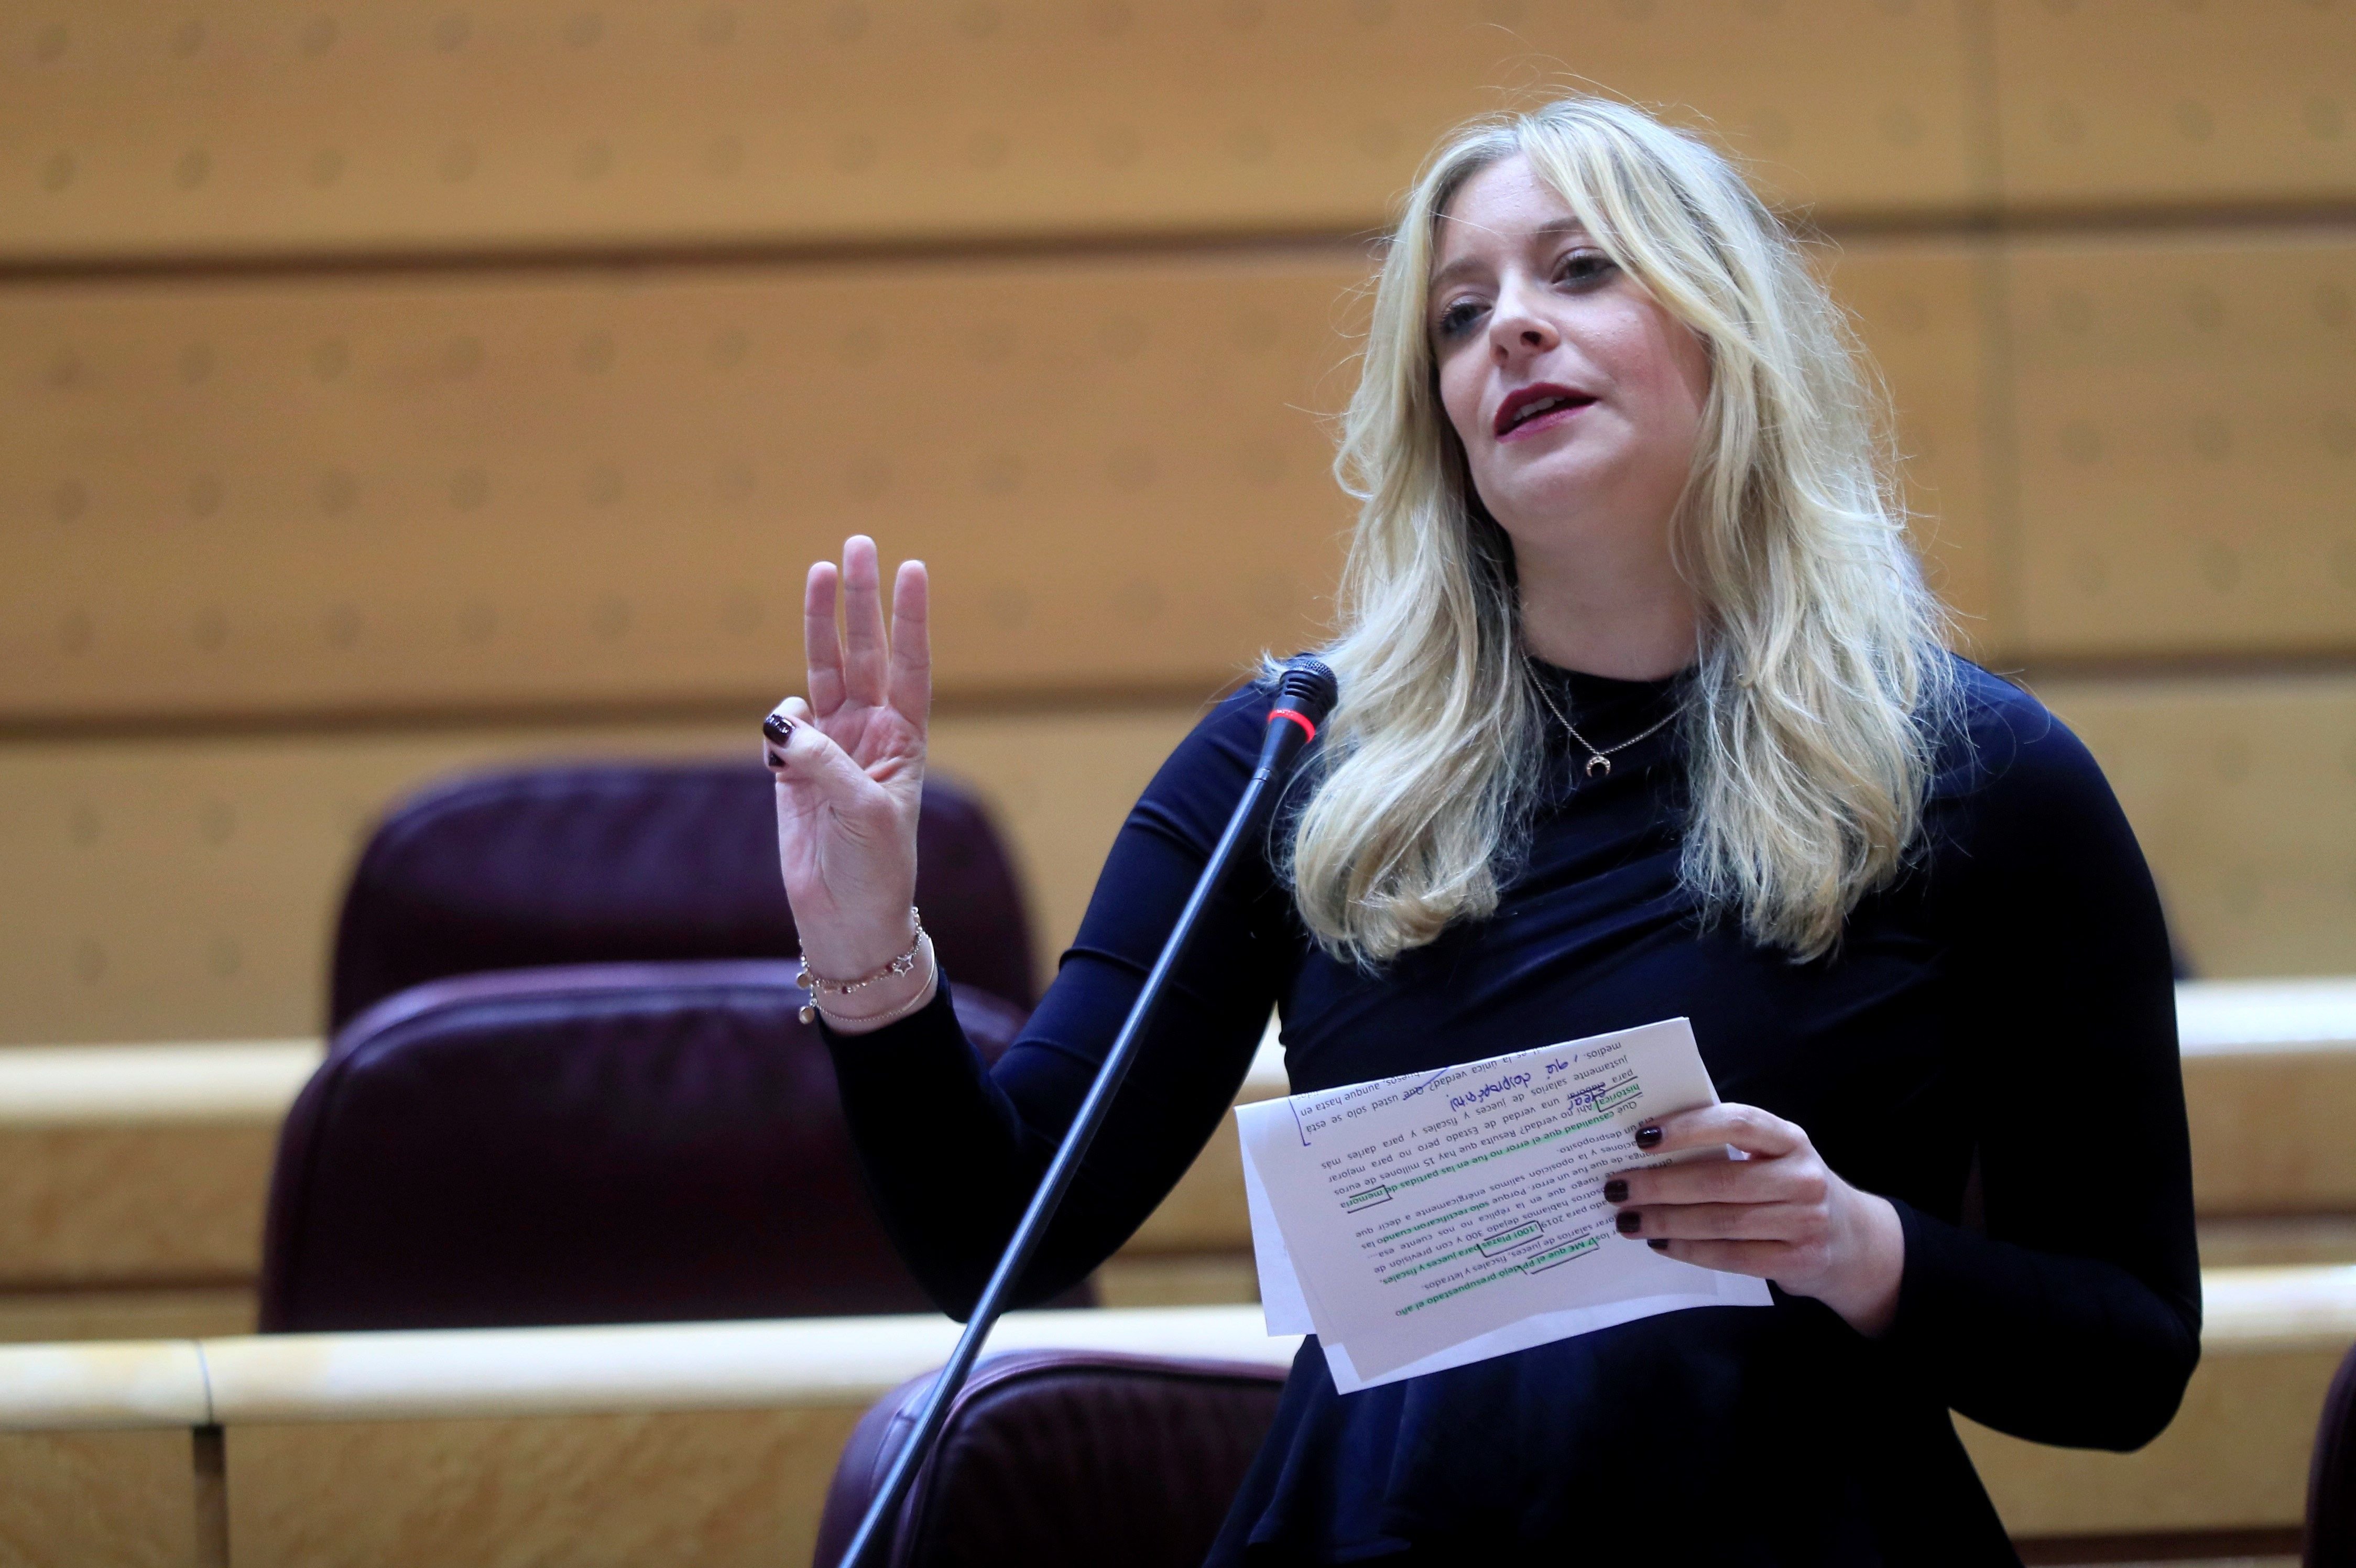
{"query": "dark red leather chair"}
{"type": "Point", "coordinates": [2331, 1477]}
{"type": "Point", "coordinates": [580, 1145]}
{"type": "Point", "coordinates": [1061, 1459]}
{"type": "Point", "coordinates": [633, 863]}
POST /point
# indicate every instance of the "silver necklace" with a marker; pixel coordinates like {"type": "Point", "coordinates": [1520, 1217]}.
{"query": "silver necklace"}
{"type": "Point", "coordinates": [1599, 758]}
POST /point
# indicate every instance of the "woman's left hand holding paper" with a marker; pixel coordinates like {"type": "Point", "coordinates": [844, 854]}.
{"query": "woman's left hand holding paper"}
{"type": "Point", "coordinates": [1780, 1214]}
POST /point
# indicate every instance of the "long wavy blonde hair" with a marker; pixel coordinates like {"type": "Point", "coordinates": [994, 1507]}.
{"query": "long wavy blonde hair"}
{"type": "Point", "coordinates": [1821, 684]}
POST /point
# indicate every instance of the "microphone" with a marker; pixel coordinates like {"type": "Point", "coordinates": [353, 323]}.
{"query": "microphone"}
{"type": "Point", "coordinates": [1305, 693]}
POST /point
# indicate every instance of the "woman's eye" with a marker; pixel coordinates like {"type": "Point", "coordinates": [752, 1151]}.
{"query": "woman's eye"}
{"type": "Point", "coordinates": [1458, 317]}
{"type": "Point", "coordinates": [1587, 267]}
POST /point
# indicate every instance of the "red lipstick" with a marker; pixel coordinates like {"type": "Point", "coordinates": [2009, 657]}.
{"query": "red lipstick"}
{"type": "Point", "coordinates": [1535, 406]}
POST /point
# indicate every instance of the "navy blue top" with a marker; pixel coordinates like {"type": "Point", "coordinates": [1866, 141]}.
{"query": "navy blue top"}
{"type": "Point", "coordinates": [1992, 1048]}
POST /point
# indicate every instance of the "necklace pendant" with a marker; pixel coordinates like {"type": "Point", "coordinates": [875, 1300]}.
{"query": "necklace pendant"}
{"type": "Point", "coordinates": [1598, 766]}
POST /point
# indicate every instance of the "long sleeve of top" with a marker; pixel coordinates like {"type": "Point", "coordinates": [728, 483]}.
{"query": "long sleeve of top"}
{"type": "Point", "coordinates": [1992, 1048]}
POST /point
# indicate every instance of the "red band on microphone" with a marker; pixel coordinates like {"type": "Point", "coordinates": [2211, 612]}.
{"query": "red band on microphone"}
{"type": "Point", "coordinates": [1301, 719]}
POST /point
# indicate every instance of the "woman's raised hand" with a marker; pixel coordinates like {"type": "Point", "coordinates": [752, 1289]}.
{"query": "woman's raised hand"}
{"type": "Point", "coordinates": [1779, 1215]}
{"type": "Point", "coordinates": [851, 773]}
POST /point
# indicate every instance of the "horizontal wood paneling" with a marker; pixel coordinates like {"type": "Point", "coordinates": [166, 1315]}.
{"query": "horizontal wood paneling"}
{"type": "Point", "coordinates": [1206, 1279]}
{"type": "Point", "coordinates": [2234, 1458]}
{"type": "Point", "coordinates": [45, 1317]}
{"type": "Point", "coordinates": [456, 492]}
{"type": "Point", "coordinates": [1921, 308]}
{"type": "Point", "coordinates": [108, 1499]}
{"type": "Point", "coordinates": [278, 127]}
{"type": "Point", "coordinates": [350, 494]}
{"type": "Point", "coordinates": [2243, 794]}
{"type": "Point", "coordinates": [281, 126]}
{"type": "Point", "coordinates": [440, 492]}
{"type": "Point", "coordinates": [133, 1206]}
{"type": "Point", "coordinates": [2273, 1240]}
{"type": "Point", "coordinates": [712, 1487]}
{"type": "Point", "coordinates": [2186, 425]}
{"type": "Point", "coordinates": [2269, 1137]}
{"type": "Point", "coordinates": [2111, 103]}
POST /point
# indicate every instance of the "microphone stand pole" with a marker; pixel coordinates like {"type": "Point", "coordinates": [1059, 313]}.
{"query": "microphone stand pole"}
{"type": "Point", "coordinates": [1307, 685]}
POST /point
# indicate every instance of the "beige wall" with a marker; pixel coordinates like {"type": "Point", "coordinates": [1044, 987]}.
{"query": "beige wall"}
{"type": "Point", "coordinates": [390, 391]}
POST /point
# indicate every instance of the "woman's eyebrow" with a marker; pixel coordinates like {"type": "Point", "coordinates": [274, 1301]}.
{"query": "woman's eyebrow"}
{"type": "Point", "coordinates": [1449, 274]}
{"type": "Point", "coordinates": [1553, 228]}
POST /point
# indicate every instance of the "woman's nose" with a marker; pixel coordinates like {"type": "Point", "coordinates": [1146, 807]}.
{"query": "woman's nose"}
{"type": "Point", "coordinates": [1524, 335]}
{"type": "Point", "coordinates": [1516, 329]}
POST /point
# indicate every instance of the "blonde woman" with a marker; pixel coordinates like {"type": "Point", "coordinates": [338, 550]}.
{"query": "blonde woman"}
{"type": "Point", "coordinates": [1644, 713]}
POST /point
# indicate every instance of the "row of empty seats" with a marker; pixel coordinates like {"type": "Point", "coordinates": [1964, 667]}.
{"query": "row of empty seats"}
{"type": "Point", "coordinates": [135, 1174]}
{"type": "Point", "coordinates": [520, 1146]}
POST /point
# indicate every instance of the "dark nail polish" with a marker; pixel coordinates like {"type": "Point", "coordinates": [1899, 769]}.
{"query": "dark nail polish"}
{"type": "Point", "coordinates": [777, 727]}
{"type": "Point", "coordinates": [1615, 1191]}
{"type": "Point", "coordinates": [1630, 1221]}
{"type": "Point", "coordinates": [1648, 1137]}
{"type": "Point", "coordinates": [1657, 1244]}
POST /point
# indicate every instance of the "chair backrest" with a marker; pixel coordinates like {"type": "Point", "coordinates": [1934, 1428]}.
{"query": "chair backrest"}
{"type": "Point", "coordinates": [2331, 1477]}
{"type": "Point", "coordinates": [634, 863]}
{"type": "Point", "coordinates": [581, 1145]}
{"type": "Point", "coordinates": [1061, 1459]}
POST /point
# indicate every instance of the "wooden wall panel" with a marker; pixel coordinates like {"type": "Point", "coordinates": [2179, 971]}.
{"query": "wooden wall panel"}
{"type": "Point", "coordinates": [187, 889]}
{"type": "Point", "coordinates": [99, 1499]}
{"type": "Point", "coordinates": [2243, 794]}
{"type": "Point", "coordinates": [278, 125]}
{"type": "Point", "coordinates": [1197, 1279]}
{"type": "Point", "coordinates": [438, 492]}
{"type": "Point", "coordinates": [1061, 785]}
{"type": "Point", "coordinates": [133, 1206]}
{"type": "Point", "coordinates": [2192, 1476]}
{"type": "Point", "coordinates": [2270, 1137]}
{"type": "Point", "coordinates": [178, 890]}
{"type": "Point", "coordinates": [45, 1317]}
{"type": "Point", "coordinates": [2185, 425]}
{"type": "Point", "coordinates": [2112, 102]}
{"type": "Point", "coordinates": [362, 494]}
{"type": "Point", "coordinates": [728, 1489]}
{"type": "Point", "coordinates": [1921, 308]}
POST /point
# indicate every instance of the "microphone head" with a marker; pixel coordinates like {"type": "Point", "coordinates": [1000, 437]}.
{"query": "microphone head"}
{"type": "Point", "coordinates": [1308, 688]}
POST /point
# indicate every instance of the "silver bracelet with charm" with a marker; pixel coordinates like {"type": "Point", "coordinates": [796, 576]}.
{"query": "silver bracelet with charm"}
{"type": "Point", "coordinates": [904, 963]}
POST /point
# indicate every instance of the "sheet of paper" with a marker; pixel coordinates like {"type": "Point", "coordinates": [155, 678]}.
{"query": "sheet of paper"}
{"type": "Point", "coordinates": [1421, 1222]}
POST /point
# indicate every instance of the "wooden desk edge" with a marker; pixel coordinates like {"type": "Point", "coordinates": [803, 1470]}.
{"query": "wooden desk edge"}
{"type": "Point", "coordinates": [775, 1364]}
